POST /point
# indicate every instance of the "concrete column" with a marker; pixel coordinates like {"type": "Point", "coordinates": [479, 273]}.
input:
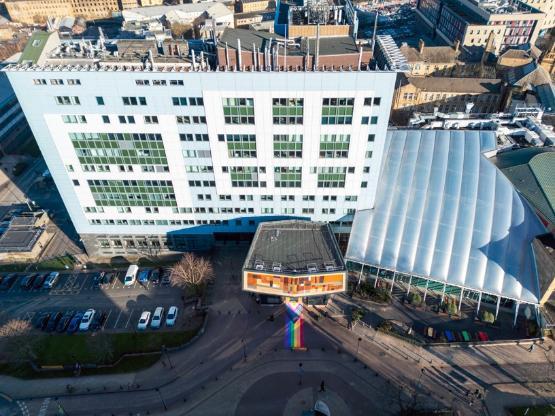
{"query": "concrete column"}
{"type": "Point", "coordinates": [443, 293]}
{"type": "Point", "coordinates": [497, 307]}
{"type": "Point", "coordinates": [479, 301]}
{"type": "Point", "coordinates": [377, 277]}
{"type": "Point", "coordinates": [410, 281]}
{"type": "Point", "coordinates": [460, 299]}
{"type": "Point", "coordinates": [392, 283]}
{"type": "Point", "coordinates": [425, 291]}
{"type": "Point", "coordinates": [360, 274]}
{"type": "Point", "coordinates": [516, 313]}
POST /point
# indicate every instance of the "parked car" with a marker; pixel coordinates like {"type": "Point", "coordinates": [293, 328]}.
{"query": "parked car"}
{"type": "Point", "coordinates": [86, 320]}
{"type": "Point", "coordinates": [108, 278]}
{"type": "Point", "coordinates": [98, 278]}
{"type": "Point", "coordinates": [171, 317]}
{"type": "Point", "coordinates": [155, 276]}
{"type": "Point", "coordinates": [39, 280]}
{"type": "Point", "coordinates": [74, 323]}
{"type": "Point", "coordinates": [99, 321]}
{"type": "Point", "coordinates": [42, 320]}
{"type": "Point", "coordinates": [64, 322]}
{"type": "Point", "coordinates": [27, 281]}
{"type": "Point", "coordinates": [166, 277]}
{"type": "Point", "coordinates": [144, 275]}
{"type": "Point", "coordinates": [8, 281]}
{"type": "Point", "coordinates": [53, 321]}
{"type": "Point", "coordinates": [131, 275]}
{"type": "Point", "coordinates": [143, 321]}
{"type": "Point", "coordinates": [156, 321]}
{"type": "Point", "coordinates": [51, 280]}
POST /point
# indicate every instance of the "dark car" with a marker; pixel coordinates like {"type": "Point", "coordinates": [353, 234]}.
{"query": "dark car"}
{"type": "Point", "coordinates": [155, 276]}
{"type": "Point", "coordinates": [53, 321]}
{"type": "Point", "coordinates": [74, 323]}
{"type": "Point", "coordinates": [98, 321]}
{"type": "Point", "coordinates": [166, 277]}
{"type": "Point", "coordinates": [39, 281]}
{"type": "Point", "coordinates": [64, 322]}
{"type": "Point", "coordinates": [27, 281]}
{"type": "Point", "coordinates": [8, 281]}
{"type": "Point", "coordinates": [98, 278]}
{"type": "Point", "coordinates": [108, 278]}
{"type": "Point", "coordinates": [42, 320]}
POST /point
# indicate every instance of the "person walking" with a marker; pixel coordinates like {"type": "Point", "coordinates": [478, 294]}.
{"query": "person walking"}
{"type": "Point", "coordinates": [322, 386]}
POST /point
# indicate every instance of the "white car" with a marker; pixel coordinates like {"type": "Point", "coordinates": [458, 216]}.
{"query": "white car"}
{"type": "Point", "coordinates": [157, 317]}
{"type": "Point", "coordinates": [171, 317]}
{"type": "Point", "coordinates": [143, 321]}
{"type": "Point", "coordinates": [87, 319]}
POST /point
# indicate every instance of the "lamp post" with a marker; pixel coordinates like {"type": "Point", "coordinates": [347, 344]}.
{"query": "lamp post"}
{"type": "Point", "coordinates": [162, 399]}
{"type": "Point", "coordinates": [358, 346]}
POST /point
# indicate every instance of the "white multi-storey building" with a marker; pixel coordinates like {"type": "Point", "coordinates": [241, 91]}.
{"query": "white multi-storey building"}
{"type": "Point", "coordinates": [152, 154]}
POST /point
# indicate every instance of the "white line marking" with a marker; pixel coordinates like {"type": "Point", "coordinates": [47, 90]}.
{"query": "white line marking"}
{"type": "Point", "coordinates": [117, 320]}
{"type": "Point", "coordinates": [129, 319]}
{"type": "Point", "coordinates": [23, 408]}
{"type": "Point", "coordinates": [115, 280]}
{"type": "Point", "coordinates": [107, 317]}
{"type": "Point", "coordinates": [44, 407]}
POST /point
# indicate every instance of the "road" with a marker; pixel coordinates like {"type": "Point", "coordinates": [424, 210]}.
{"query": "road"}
{"type": "Point", "coordinates": [222, 372]}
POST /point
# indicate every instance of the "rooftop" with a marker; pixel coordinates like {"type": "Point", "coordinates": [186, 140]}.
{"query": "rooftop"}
{"type": "Point", "coordinates": [457, 85]}
{"type": "Point", "coordinates": [294, 247]}
{"type": "Point", "coordinates": [429, 54]}
{"type": "Point", "coordinates": [444, 212]}
{"type": "Point", "coordinates": [19, 239]}
{"type": "Point", "coordinates": [260, 40]}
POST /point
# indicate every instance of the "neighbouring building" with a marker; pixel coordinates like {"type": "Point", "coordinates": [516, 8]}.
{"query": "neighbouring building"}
{"type": "Point", "coordinates": [472, 22]}
{"type": "Point", "coordinates": [247, 6]}
{"type": "Point", "coordinates": [23, 237]}
{"type": "Point", "coordinates": [547, 7]}
{"type": "Point", "coordinates": [245, 20]}
{"type": "Point", "coordinates": [14, 130]}
{"type": "Point", "coordinates": [530, 85]}
{"type": "Point", "coordinates": [443, 61]}
{"type": "Point", "coordinates": [547, 59]}
{"type": "Point", "coordinates": [426, 94]}
{"type": "Point", "coordinates": [153, 150]}
{"type": "Point", "coordinates": [37, 11]}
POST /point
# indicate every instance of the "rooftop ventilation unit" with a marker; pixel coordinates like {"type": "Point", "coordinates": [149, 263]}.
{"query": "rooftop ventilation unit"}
{"type": "Point", "coordinates": [276, 267]}
{"type": "Point", "coordinates": [259, 265]}
{"type": "Point", "coordinates": [312, 267]}
{"type": "Point", "coordinates": [330, 266]}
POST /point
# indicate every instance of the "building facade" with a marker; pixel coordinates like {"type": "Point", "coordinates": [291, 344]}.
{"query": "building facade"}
{"type": "Point", "coordinates": [472, 23]}
{"type": "Point", "coordinates": [37, 11]}
{"type": "Point", "coordinates": [156, 151]}
{"type": "Point", "coordinates": [547, 7]}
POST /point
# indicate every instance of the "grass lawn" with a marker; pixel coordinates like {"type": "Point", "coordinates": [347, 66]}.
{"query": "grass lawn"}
{"type": "Point", "coordinates": [57, 263]}
{"type": "Point", "coordinates": [68, 349]}
{"type": "Point", "coordinates": [533, 411]}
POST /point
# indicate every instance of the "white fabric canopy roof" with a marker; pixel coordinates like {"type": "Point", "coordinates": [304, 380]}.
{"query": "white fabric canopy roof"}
{"type": "Point", "coordinates": [445, 212]}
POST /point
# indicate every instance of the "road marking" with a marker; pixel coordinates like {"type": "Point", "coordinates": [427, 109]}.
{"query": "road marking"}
{"type": "Point", "coordinates": [23, 408]}
{"type": "Point", "coordinates": [117, 320]}
{"type": "Point", "coordinates": [44, 407]}
{"type": "Point", "coordinates": [129, 319]}
{"type": "Point", "coordinates": [107, 317]}
{"type": "Point", "coordinates": [115, 280]}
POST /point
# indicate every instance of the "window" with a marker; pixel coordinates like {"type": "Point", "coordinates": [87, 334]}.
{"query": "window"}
{"type": "Point", "coordinates": [308, 197]}
{"type": "Point", "coordinates": [57, 81]}
{"type": "Point", "coordinates": [244, 176]}
{"type": "Point", "coordinates": [246, 198]}
{"type": "Point", "coordinates": [142, 82]}
{"type": "Point", "coordinates": [69, 168]}
{"type": "Point", "coordinates": [364, 184]}
{"type": "Point", "coordinates": [331, 177]}
{"type": "Point", "coordinates": [100, 100]}
{"type": "Point", "coordinates": [371, 137]}
{"type": "Point", "coordinates": [176, 82]}
{"type": "Point", "coordinates": [225, 197]}
{"type": "Point", "coordinates": [238, 110]}
{"type": "Point", "coordinates": [374, 120]}
{"type": "Point", "coordinates": [267, 210]}
{"type": "Point", "coordinates": [351, 198]}
{"type": "Point", "coordinates": [39, 81]}
{"type": "Point", "coordinates": [368, 154]}
{"type": "Point", "coordinates": [179, 100]}
{"type": "Point", "coordinates": [73, 119]}
{"type": "Point", "coordinates": [366, 169]}
{"type": "Point", "coordinates": [183, 119]}
{"type": "Point", "coordinates": [196, 101]}
{"type": "Point", "coordinates": [241, 145]}
{"type": "Point", "coordinates": [287, 110]}
{"type": "Point", "coordinates": [308, 210]}
{"type": "Point", "coordinates": [75, 182]}
{"type": "Point", "coordinates": [129, 193]}
{"type": "Point", "coordinates": [288, 211]}
{"type": "Point", "coordinates": [126, 119]}
{"type": "Point", "coordinates": [287, 177]}
{"type": "Point", "coordinates": [377, 100]}
{"type": "Point", "coordinates": [134, 100]}
{"type": "Point", "coordinates": [151, 119]}
{"type": "Point", "coordinates": [73, 82]}
{"type": "Point", "coordinates": [337, 110]}
{"type": "Point", "coordinates": [65, 100]}
{"type": "Point", "coordinates": [159, 82]}
{"type": "Point", "coordinates": [334, 145]}
{"type": "Point", "coordinates": [106, 119]}
{"type": "Point", "coordinates": [288, 145]}
{"type": "Point", "coordinates": [266, 197]}
{"type": "Point", "coordinates": [365, 120]}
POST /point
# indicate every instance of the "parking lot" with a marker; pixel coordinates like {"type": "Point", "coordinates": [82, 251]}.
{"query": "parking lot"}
{"type": "Point", "coordinates": [77, 292]}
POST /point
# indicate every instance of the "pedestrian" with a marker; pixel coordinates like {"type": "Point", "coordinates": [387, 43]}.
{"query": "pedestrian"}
{"type": "Point", "coordinates": [322, 386]}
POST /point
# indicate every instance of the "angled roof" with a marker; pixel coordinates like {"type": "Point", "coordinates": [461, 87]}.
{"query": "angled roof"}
{"type": "Point", "coordinates": [531, 73]}
{"type": "Point", "coordinates": [443, 211]}
{"type": "Point", "coordinates": [430, 54]}
{"type": "Point", "coordinates": [457, 85]}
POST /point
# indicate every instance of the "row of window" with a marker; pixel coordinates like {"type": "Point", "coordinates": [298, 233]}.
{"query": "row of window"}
{"type": "Point", "coordinates": [42, 81]}
{"type": "Point", "coordinates": [159, 82]}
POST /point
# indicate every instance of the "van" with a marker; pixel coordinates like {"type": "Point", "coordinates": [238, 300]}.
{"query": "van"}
{"type": "Point", "coordinates": [51, 280]}
{"type": "Point", "coordinates": [131, 275]}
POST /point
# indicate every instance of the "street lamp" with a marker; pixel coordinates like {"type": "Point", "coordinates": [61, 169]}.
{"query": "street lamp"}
{"type": "Point", "coordinates": [162, 399]}
{"type": "Point", "coordinates": [358, 346]}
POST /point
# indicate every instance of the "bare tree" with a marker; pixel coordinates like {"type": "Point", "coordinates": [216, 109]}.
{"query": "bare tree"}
{"type": "Point", "coordinates": [18, 340]}
{"type": "Point", "coordinates": [192, 272]}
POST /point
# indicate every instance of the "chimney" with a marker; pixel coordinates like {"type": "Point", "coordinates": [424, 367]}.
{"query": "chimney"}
{"type": "Point", "coordinates": [421, 46]}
